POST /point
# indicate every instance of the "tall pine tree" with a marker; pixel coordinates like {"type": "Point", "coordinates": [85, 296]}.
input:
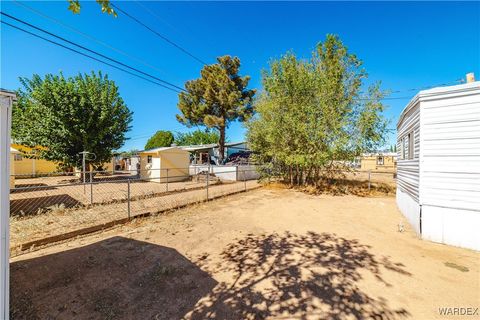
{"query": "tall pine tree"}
{"type": "Point", "coordinates": [217, 98]}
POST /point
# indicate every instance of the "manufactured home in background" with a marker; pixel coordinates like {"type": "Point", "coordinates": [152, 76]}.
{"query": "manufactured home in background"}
{"type": "Point", "coordinates": [13, 153]}
{"type": "Point", "coordinates": [438, 169]}
{"type": "Point", "coordinates": [210, 153]}
{"type": "Point", "coordinates": [382, 161]}
{"type": "Point", "coordinates": [27, 164]}
{"type": "Point", "coordinates": [164, 164]}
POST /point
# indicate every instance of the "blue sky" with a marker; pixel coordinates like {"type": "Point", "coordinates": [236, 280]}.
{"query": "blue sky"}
{"type": "Point", "coordinates": [405, 45]}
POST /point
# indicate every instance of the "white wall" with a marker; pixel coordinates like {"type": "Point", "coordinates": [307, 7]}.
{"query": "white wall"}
{"type": "Point", "coordinates": [451, 226]}
{"type": "Point", "coordinates": [5, 122]}
{"type": "Point", "coordinates": [450, 165]}
{"type": "Point", "coordinates": [227, 173]}
{"type": "Point", "coordinates": [408, 170]}
{"type": "Point", "coordinates": [445, 182]}
{"type": "Point", "coordinates": [410, 209]}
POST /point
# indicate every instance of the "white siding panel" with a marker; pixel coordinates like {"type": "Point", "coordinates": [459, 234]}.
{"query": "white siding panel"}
{"type": "Point", "coordinates": [408, 169]}
{"type": "Point", "coordinates": [450, 149]}
{"type": "Point", "coordinates": [468, 165]}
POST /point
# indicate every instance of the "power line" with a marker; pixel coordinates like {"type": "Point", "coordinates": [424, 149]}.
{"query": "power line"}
{"type": "Point", "coordinates": [178, 31]}
{"type": "Point", "coordinates": [428, 87]}
{"type": "Point", "coordinates": [92, 51]}
{"type": "Point", "coordinates": [391, 98]}
{"type": "Point", "coordinates": [158, 34]}
{"type": "Point", "coordinates": [88, 56]}
{"type": "Point", "coordinates": [41, 14]}
{"type": "Point", "coordinates": [156, 16]}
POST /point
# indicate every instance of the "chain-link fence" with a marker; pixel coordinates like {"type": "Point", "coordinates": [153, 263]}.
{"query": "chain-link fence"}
{"type": "Point", "coordinates": [52, 207]}
{"type": "Point", "coordinates": [346, 181]}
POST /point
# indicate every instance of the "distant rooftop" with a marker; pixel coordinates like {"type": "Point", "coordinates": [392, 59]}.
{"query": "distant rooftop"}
{"type": "Point", "coordinates": [159, 149]}
{"type": "Point", "coordinates": [198, 147]}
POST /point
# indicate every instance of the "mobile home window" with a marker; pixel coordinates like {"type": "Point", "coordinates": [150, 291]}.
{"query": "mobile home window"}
{"type": "Point", "coordinates": [410, 145]}
{"type": "Point", "coordinates": [402, 148]}
{"type": "Point", "coordinates": [405, 147]}
{"type": "Point", "coordinates": [149, 159]}
{"type": "Point", "coordinates": [380, 161]}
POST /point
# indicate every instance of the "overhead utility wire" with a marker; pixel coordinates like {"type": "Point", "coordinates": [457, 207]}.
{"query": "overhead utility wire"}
{"type": "Point", "coordinates": [93, 51]}
{"type": "Point", "coordinates": [88, 56]}
{"type": "Point", "coordinates": [158, 34]}
{"type": "Point", "coordinates": [428, 87]}
{"type": "Point", "coordinates": [417, 89]}
{"type": "Point", "coordinates": [41, 14]}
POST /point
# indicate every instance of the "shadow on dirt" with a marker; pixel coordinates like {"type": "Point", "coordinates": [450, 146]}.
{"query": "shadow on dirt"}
{"type": "Point", "coordinates": [280, 276]}
{"type": "Point", "coordinates": [289, 276]}
{"type": "Point", "coordinates": [38, 205]}
{"type": "Point", "coordinates": [117, 278]}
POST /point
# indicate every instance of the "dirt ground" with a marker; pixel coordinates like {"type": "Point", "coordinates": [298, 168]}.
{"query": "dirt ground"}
{"type": "Point", "coordinates": [264, 254]}
{"type": "Point", "coordinates": [60, 221]}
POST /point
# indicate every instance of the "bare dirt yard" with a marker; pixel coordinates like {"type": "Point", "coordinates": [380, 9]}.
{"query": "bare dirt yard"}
{"type": "Point", "coordinates": [264, 254]}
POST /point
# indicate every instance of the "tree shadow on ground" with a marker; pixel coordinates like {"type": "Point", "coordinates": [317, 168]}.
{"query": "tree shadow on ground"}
{"type": "Point", "coordinates": [289, 276]}
{"type": "Point", "coordinates": [32, 206]}
{"type": "Point", "coordinates": [31, 187]}
{"type": "Point", "coordinates": [117, 278]}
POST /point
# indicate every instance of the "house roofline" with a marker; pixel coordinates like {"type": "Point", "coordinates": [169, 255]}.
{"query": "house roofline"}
{"type": "Point", "coordinates": [436, 93]}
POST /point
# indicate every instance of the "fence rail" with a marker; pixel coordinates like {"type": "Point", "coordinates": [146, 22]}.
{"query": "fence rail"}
{"type": "Point", "coordinates": [51, 205]}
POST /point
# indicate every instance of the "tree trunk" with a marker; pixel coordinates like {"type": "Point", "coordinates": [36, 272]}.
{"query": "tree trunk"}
{"type": "Point", "coordinates": [221, 144]}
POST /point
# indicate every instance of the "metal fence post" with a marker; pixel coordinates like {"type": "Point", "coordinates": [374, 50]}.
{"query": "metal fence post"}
{"type": "Point", "coordinates": [208, 178]}
{"type": "Point", "coordinates": [369, 173]}
{"type": "Point", "coordinates": [91, 187]}
{"type": "Point", "coordinates": [167, 180]}
{"type": "Point", "coordinates": [128, 198]}
{"type": "Point", "coordinates": [244, 179]}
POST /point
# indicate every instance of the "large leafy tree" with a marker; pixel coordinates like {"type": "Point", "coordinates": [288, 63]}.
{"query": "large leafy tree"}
{"type": "Point", "coordinates": [160, 139]}
{"type": "Point", "coordinates": [315, 115]}
{"type": "Point", "coordinates": [69, 115]}
{"type": "Point", "coordinates": [217, 98]}
{"type": "Point", "coordinates": [196, 137]}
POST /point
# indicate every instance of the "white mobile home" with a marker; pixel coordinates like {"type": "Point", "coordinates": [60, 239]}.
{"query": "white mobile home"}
{"type": "Point", "coordinates": [438, 168]}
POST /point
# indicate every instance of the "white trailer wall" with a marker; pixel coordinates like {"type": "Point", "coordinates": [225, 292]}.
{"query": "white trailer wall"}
{"type": "Point", "coordinates": [5, 122]}
{"type": "Point", "coordinates": [438, 191]}
{"type": "Point", "coordinates": [408, 170]}
{"type": "Point", "coordinates": [450, 168]}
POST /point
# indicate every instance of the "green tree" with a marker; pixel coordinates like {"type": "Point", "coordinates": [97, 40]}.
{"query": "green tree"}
{"type": "Point", "coordinates": [312, 116]}
{"type": "Point", "coordinates": [75, 7]}
{"type": "Point", "coordinates": [217, 98]}
{"type": "Point", "coordinates": [70, 115]}
{"type": "Point", "coordinates": [196, 137]}
{"type": "Point", "coordinates": [129, 153]}
{"type": "Point", "coordinates": [160, 139]}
